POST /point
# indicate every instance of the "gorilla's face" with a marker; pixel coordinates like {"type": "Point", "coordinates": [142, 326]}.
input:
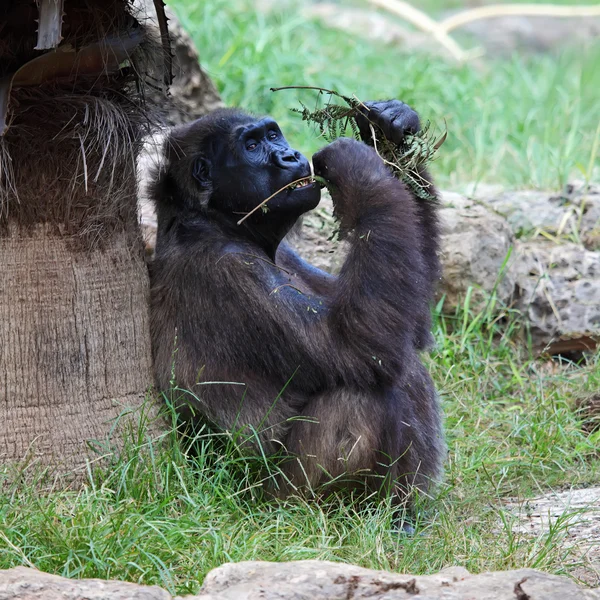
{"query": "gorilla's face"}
{"type": "Point", "coordinates": [252, 164]}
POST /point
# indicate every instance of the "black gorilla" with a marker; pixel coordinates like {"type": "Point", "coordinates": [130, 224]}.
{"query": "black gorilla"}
{"type": "Point", "coordinates": [324, 368]}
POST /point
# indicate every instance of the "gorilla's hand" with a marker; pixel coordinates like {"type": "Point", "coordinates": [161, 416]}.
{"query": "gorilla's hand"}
{"type": "Point", "coordinates": [346, 160]}
{"type": "Point", "coordinates": [356, 173]}
{"type": "Point", "coordinates": [393, 117]}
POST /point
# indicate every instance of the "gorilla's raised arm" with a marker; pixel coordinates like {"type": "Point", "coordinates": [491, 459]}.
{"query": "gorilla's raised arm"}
{"type": "Point", "coordinates": [381, 289]}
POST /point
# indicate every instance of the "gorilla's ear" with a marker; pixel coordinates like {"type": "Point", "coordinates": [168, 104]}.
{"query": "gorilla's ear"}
{"type": "Point", "coordinates": [201, 171]}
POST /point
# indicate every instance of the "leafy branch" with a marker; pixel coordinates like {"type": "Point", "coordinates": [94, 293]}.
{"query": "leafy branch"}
{"type": "Point", "coordinates": [406, 159]}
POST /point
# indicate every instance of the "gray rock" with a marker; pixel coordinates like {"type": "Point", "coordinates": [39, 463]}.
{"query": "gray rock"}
{"type": "Point", "coordinates": [587, 199]}
{"type": "Point", "coordinates": [528, 210]}
{"type": "Point", "coordinates": [306, 580]}
{"type": "Point", "coordinates": [315, 239]}
{"type": "Point", "coordinates": [577, 510]}
{"type": "Point", "coordinates": [573, 214]}
{"type": "Point", "coordinates": [22, 583]}
{"type": "Point", "coordinates": [510, 34]}
{"type": "Point", "coordinates": [558, 291]}
{"type": "Point", "coordinates": [475, 245]}
{"type": "Point", "coordinates": [373, 26]}
{"type": "Point", "coordinates": [555, 286]}
{"type": "Point", "coordinates": [320, 580]}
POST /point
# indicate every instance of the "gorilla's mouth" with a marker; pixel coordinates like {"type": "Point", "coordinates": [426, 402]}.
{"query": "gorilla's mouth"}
{"type": "Point", "coordinates": [296, 185]}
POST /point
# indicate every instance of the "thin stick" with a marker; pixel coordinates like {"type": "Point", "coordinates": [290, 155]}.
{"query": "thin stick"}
{"type": "Point", "coordinates": [304, 87]}
{"type": "Point", "coordinates": [374, 136]}
{"type": "Point", "coordinates": [310, 177]}
{"type": "Point", "coordinates": [529, 10]}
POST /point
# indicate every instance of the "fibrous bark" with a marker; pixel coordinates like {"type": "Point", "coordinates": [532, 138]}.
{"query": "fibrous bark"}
{"type": "Point", "coordinates": [74, 330]}
{"type": "Point", "coordinates": [74, 352]}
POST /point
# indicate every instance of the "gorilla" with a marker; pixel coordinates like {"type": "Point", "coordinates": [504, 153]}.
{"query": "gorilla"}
{"type": "Point", "coordinates": [248, 336]}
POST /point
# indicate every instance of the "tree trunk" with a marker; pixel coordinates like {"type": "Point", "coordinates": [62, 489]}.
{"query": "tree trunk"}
{"type": "Point", "coordinates": [74, 328]}
{"type": "Point", "coordinates": [74, 345]}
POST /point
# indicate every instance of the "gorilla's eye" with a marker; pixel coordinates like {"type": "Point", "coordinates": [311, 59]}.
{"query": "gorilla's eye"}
{"type": "Point", "coordinates": [272, 135]}
{"type": "Point", "coordinates": [251, 145]}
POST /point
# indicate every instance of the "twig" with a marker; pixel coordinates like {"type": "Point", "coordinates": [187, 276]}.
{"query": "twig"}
{"type": "Point", "coordinates": [304, 87]}
{"type": "Point", "coordinates": [287, 185]}
{"type": "Point", "coordinates": [529, 10]}
{"type": "Point", "coordinates": [165, 39]}
{"type": "Point", "coordinates": [404, 158]}
{"type": "Point", "coordinates": [374, 138]}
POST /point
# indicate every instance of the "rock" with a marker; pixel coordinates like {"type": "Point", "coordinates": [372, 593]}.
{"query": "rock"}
{"type": "Point", "coordinates": [373, 26]}
{"type": "Point", "coordinates": [574, 514]}
{"type": "Point", "coordinates": [555, 286]}
{"type": "Point", "coordinates": [493, 36]}
{"type": "Point", "coordinates": [574, 214]}
{"type": "Point", "coordinates": [306, 580]}
{"type": "Point", "coordinates": [22, 583]}
{"type": "Point", "coordinates": [558, 291]}
{"type": "Point", "coordinates": [475, 245]}
{"type": "Point", "coordinates": [529, 210]}
{"type": "Point", "coordinates": [587, 199]}
{"type": "Point", "coordinates": [315, 239]}
{"type": "Point", "coordinates": [578, 510]}
{"type": "Point", "coordinates": [316, 580]}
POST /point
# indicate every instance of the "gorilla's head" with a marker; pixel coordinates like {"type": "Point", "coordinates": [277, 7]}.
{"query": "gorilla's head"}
{"type": "Point", "coordinates": [230, 161]}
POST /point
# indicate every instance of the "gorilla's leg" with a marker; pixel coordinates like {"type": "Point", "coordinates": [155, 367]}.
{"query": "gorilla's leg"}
{"type": "Point", "coordinates": [392, 441]}
{"type": "Point", "coordinates": [334, 439]}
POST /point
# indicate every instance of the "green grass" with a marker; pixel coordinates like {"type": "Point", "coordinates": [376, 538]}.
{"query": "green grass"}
{"type": "Point", "coordinates": [527, 121]}
{"type": "Point", "coordinates": [159, 516]}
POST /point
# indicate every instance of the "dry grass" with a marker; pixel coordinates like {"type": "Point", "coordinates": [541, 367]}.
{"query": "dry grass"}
{"type": "Point", "coordinates": [68, 155]}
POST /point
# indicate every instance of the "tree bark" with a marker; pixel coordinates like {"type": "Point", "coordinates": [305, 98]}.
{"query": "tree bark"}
{"type": "Point", "coordinates": [74, 347]}
{"type": "Point", "coordinates": [75, 360]}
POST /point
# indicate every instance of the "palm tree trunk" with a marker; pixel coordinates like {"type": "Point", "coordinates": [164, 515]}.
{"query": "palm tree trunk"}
{"type": "Point", "coordinates": [74, 327]}
{"type": "Point", "coordinates": [74, 346]}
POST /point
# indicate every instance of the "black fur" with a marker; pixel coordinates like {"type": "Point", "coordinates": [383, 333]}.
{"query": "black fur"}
{"type": "Point", "coordinates": [231, 304]}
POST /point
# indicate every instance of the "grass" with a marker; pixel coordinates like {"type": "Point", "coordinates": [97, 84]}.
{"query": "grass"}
{"type": "Point", "coordinates": [158, 516]}
{"type": "Point", "coordinates": [526, 121]}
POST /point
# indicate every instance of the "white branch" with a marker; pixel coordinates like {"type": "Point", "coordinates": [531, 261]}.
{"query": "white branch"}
{"type": "Point", "coordinates": [525, 10]}
{"type": "Point", "coordinates": [440, 30]}
{"type": "Point", "coordinates": [424, 22]}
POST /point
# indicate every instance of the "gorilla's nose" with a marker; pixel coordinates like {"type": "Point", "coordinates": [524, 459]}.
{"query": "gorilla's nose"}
{"type": "Point", "coordinates": [287, 158]}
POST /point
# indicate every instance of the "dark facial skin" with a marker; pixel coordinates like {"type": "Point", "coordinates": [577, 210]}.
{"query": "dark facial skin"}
{"type": "Point", "coordinates": [256, 163]}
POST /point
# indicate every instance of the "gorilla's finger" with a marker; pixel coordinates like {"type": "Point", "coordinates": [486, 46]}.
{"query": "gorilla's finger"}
{"type": "Point", "coordinates": [395, 119]}
{"type": "Point", "coordinates": [410, 119]}
{"type": "Point", "coordinates": [368, 113]}
{"type": "Point", "coordinates": [399, 120]}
